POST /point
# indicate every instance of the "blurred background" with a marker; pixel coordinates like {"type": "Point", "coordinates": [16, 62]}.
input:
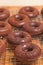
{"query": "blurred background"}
{"type": "Point", "coordinates": [20, 2]}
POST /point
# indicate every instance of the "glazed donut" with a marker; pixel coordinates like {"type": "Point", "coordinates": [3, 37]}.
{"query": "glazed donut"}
{"type": "Point", "coordinates": [4, 14]}
{"type": "Point", "coordinates": [18, 20]}
{"type": "Point", "coordinates": [34, 28]}
{"type": "Point", "coordinates": [5, 28]}
{"type": "Point", "coordinates": [27, 53]}
{"type": "Point", "coordinates": [16, 37]}
{"type": "Point", "coordinates": [29, 11]}
{"type": "Point", "coordinates": [2, 46]}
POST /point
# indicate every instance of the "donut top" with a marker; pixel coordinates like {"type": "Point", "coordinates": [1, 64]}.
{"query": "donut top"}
{"type": "Point", "coordinates": [18, 20]}
{"type": "Point", "coordinates": [29, 52]}
{"type": "Point", "coordinates": [5, 28]}
{"type": "Point", "coordinates": [4, 14]}
{"type": "Point", "coordinates": [34, 27]}
{"type": "Point", "coordinates": [16, 37]}
{"type": "Point", "coordinates": [2, 10]}
{"type": "Point", "coordinates": [21, 34]}
{"type": "Point", "coordinates": [34, 24]}
{"type": "Point", "coordinates": [27, 48]}
{"type": "Point", "coordinates": [30, 11]}
{"type": "Point", "coordinates": [4, 25]}
{"type": "Point", "coordinates": [19, 17]}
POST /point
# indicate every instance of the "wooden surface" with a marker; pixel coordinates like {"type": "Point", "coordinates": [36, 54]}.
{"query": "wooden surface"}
{"type": "Point", "coordinates": [9, 57]}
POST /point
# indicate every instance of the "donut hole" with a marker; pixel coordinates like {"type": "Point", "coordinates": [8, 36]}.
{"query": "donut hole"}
{"type": "Point", "coordinates": [19, 28]}
{"type": "Point", "coordinates": [30, 49]}
{"type": "Point", "coordinates": [19, 18]}
{"type": "Point", "coordinates": [1, 10]}
{"type": "Point", "coordinates": [29, 9]}
{"type": "Point", "coordinates": [26, 48]}
{"type": "Point", "coordinates": [21, 36]}
{"type": "Point", "coordinates": [2, 25]}
{"type": "Point", "coordinates": [34, 24]}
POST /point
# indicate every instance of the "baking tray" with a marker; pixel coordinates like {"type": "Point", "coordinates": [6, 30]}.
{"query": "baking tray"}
{"type": "Point", "coordinates": [8, 57]}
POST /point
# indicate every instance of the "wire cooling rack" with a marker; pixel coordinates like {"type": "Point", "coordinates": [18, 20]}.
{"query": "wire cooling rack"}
{"type": "Point", "coordinates": [8, 57]}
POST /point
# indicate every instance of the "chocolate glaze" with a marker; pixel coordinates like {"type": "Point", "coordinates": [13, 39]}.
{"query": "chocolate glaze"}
{"type": "Point", "coordinates": [34, 28]}
{"type": "Point", "coordinates": [29, 11]}
{"type": "Point", "coordinates": [5, 28]}
{"type": "Point", "coordinates": [18, 37]}
{"type": "Point", "coordinates": [18, 20]}
{"type": "Point", "coordinates": [4, 14]}
{"type": "Point", "coordinates": [27, 53]}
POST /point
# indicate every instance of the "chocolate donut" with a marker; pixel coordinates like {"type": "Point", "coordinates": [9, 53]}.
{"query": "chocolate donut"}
{"type": "Point", "coordinates": [2, 46]}
{"type": "Point", "coordinates": [18, 37]}
{"type": "Point", "coordinates": [5, 28]}
{"type": "Point", "coordinates": [18, 20]}
{"type": "Point", "coordinates": [34, 28]}
{"type": "Point", "coordinates": [29, 11]}
{"type": "Point", "coordinates": [27, 53]}
{"type": "Point", "coordinates": [4, 14]}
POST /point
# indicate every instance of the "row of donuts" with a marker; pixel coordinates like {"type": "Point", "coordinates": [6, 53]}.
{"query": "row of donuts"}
{"type": "Point", "coordinates": [21, 38]}
{"type": "Point", "coordinates": [28, 10]}
{"type": "Point", "coordinates": [4, 29]}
